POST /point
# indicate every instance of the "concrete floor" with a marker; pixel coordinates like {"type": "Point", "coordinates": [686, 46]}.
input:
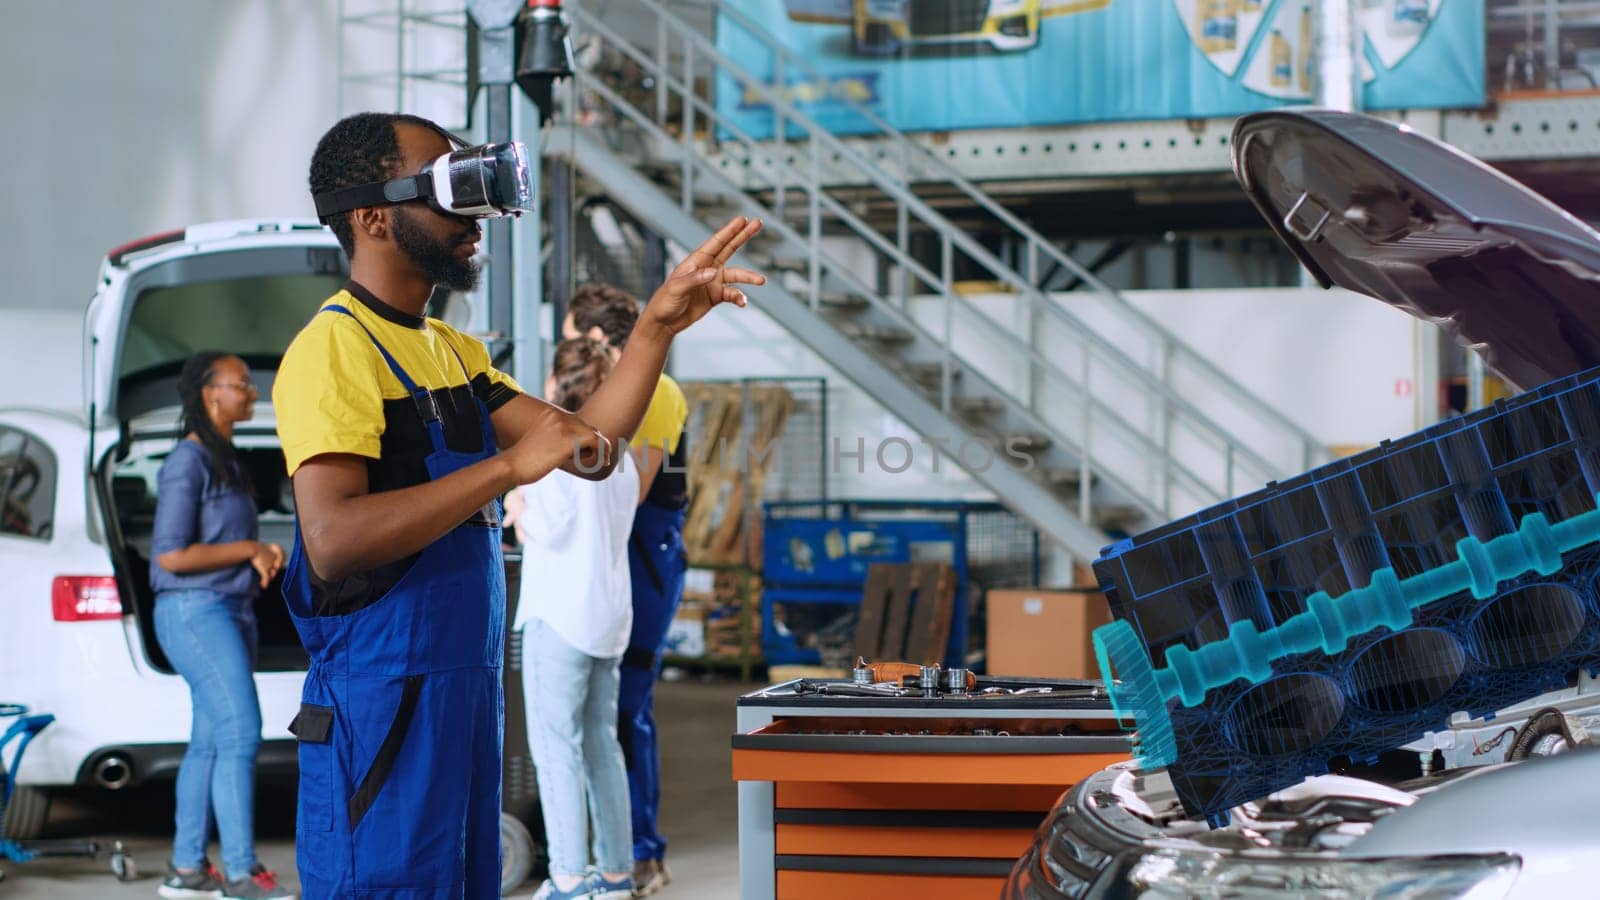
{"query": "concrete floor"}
{"type": "Point", "coordinates": [699, 815]}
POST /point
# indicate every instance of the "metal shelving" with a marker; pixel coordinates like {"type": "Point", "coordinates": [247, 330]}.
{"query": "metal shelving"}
{"type": "Point", "coordinates": [411, 54]}
{"type": "Point", "coordinates": [1555, 126]}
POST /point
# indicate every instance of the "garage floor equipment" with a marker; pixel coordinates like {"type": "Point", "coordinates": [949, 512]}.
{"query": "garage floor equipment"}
{"type": "Point", "coordinates": [22, 732]}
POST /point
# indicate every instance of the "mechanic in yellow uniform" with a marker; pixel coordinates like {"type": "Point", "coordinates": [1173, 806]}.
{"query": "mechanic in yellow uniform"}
{"type": "Point", "coordinates": [400, 438]}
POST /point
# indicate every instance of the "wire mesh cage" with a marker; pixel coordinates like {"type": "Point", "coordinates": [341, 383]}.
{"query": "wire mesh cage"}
{"type": "Point", "coordinates": [750, 440]}
{"type": "Point", "coordinates": [609, 247]}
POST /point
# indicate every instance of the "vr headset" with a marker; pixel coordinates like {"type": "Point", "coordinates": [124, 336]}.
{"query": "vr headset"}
{"type": "Point", "coordinates": [482, 182]}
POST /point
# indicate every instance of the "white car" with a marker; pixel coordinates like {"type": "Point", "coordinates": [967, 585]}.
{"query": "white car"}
{"type": "Point", "coordinates": [78, 495]}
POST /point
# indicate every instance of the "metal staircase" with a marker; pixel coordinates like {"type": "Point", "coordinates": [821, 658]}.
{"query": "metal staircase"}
{"type": "Point", "coordinates": [1081, 433]}
{"type": "Point", "coordinates": [406, 55]}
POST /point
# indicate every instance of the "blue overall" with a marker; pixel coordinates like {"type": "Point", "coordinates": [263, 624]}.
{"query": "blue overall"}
{"type": "Point", "coordinates": [656, 562]}
{"type": "Point", "coordinates": [402, 714]}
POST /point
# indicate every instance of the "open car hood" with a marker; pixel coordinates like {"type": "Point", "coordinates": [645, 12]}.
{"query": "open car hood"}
{"type": "Point", "coordinates": [1384, 211]}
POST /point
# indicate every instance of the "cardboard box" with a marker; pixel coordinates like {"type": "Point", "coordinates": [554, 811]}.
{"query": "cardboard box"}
{"type": "Point", "coordinates": [686, 636]}
{"type": "Point", "coordinates": [1083, 576]}
{"type": "Point", "coordinates": [1044, 633]}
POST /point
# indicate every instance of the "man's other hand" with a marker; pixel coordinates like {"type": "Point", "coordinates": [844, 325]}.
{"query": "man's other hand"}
{"type": "Point", "coordinates": [562, 440]}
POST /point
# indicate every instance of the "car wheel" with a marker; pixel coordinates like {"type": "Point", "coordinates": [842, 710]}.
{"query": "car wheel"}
{"type": "Point", "coordinates": [26, 813]}
{"type": "Point", "coordinates": [518, 853]}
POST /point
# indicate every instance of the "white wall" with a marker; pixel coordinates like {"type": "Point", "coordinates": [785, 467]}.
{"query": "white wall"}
{"type": "Point", "coordinates": [40, 359]}
{"type": "Point", "coordinates": [127, 119]}
{"type": "Point", "coordinates": [1340, 365]}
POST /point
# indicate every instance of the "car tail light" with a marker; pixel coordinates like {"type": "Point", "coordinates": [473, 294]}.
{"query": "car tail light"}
{"type": "Point", "coordinates": [85, 598]}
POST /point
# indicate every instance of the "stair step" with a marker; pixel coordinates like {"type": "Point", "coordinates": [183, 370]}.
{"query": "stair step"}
{"type": "Point", "coordinates": [766, 241]}
{"type": "Point", "coordinates": [659, 169]}
{"type": "Point", "coordinates": [1065, 477]}
{"type": "Point", "coordinates": [843, 301]}
{"type": "Point", "coordinates": [928, 373]}
{"type": "Point", "coordinates": [1028, 441]}
{"type": "Point", "coordinates": [716, 210]}
{"type": "Point", "coordinates": [1118, 518]}
{"type": "Point", "coordinates": [782, 262]}
{"type": "Point", "coordinates": [979, 406]}
{"type": "Point", "coordinates": [883, 334]}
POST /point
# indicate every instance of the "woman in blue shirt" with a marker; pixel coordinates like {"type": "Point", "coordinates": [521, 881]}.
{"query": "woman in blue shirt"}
{"type": "Point", "coordinates": [207, 568]}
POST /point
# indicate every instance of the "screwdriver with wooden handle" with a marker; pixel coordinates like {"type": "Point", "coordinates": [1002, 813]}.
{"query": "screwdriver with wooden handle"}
{"type": "Point", "coordinates": [897, 673]}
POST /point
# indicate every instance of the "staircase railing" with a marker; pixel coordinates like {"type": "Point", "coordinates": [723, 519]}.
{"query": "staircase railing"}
{"type": "Point", "coordinates": [1143, 458]}
{"type": "Point", "coordinates": [1035, 254]}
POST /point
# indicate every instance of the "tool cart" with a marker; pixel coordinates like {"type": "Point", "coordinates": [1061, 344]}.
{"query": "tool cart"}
{"type": "Point", "coordinates": [906, 780]}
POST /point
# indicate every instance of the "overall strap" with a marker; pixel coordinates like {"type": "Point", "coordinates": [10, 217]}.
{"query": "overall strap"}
{"type": "Point", "coordinates": [459, 361]}
{"type": "Point", "coordinates": [485, 424]}
{"type": "Point", "coordinates": [426, 405]}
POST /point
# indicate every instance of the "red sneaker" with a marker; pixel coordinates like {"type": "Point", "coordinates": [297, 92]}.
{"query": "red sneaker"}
{"type": "Point", "coordinates": [261, 885]}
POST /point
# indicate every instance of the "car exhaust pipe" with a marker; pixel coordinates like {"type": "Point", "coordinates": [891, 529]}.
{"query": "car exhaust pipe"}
{"type": "Point", "coordinates": [113, 772]}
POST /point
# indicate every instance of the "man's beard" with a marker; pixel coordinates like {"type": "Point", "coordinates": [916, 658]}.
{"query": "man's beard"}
{"type": "Point", "coordinates": [434, 258]}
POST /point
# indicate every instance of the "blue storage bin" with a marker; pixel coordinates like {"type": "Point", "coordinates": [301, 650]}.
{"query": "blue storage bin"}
{"type": "Point", "coordinates": [815, 557]}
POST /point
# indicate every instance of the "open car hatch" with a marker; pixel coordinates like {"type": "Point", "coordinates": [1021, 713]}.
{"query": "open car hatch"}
{"type": "Point", "coordinates": [1382, 210]}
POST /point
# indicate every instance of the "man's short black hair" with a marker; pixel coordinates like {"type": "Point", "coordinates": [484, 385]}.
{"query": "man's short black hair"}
{"type": "Point", "coordinates": [360, 149]}
{"type": "Point", "coordinates": [609, 308]}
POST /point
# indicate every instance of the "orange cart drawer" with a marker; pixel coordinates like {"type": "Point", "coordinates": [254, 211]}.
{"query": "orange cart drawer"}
{"type": "Point", "coordinates": [994, 797]}
{"type": "Point", "coordinates": [1059, 769]}
{"type": "Point", "coordinates": [872, 840]}
{"type": "Point", "coordinates": [794, 885]}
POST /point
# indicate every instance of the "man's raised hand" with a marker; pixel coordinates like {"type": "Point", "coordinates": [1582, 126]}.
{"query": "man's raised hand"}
{"type": "Point", "coordinates": [704, 279]}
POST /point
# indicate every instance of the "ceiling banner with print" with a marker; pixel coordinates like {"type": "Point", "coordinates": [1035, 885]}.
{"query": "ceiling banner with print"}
{"type": "Point", "coordinates": [937, 65]}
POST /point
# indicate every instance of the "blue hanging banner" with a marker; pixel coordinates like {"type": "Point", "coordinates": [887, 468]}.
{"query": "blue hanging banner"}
{"type": "Point", "coordinates": [938, 65]}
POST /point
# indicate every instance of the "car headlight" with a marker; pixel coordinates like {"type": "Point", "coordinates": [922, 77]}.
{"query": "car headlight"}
{"type": "Point", "coordinates": [886, 9]}
{"type": "Point", "coordinates": [1001, 7]}
{"type": "Point", "coordinates": [1200, 874]}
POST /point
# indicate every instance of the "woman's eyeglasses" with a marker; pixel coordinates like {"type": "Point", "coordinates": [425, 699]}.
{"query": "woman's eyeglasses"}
{"type": "Point", "coordinates": [244, 387]}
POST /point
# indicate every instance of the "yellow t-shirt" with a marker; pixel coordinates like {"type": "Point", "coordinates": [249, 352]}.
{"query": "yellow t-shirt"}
{"type": "Point", "coordinates": [664, 418]}
{"type": "Point", "coordinates": [334, 393]}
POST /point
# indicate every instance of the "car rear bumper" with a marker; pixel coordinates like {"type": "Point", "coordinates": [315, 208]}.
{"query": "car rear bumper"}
{"type": "Point", "coordinates": [153, 762]}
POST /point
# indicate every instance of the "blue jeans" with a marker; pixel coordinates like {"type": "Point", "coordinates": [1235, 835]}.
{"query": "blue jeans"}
{"type": "Point", "coordinates": [572, 730]}
{"type": "Point", "coordinates": [211, 640]}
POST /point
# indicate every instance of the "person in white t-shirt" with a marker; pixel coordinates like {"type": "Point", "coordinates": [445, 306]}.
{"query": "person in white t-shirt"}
{"type": "Point", "coordinates": [576, 611]}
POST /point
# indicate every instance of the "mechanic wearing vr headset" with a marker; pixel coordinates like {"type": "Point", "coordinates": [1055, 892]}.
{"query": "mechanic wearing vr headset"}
{"type": "Point", "coordinates": [392, 425]}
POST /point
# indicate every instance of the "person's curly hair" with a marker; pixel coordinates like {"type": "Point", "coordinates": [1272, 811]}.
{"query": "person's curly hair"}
{"type": "Point", "coordinates": [361, 149]}
{"type": "Point", "coordinates": [579, 367]}
{"type": "Point", "coordinates": [611, 309]}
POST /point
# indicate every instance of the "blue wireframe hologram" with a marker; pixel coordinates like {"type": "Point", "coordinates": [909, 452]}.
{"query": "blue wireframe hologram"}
{"type": "Point", "coordinates": [1140, 691]}
{"type": "Point", "coordinates": [1324, 620]}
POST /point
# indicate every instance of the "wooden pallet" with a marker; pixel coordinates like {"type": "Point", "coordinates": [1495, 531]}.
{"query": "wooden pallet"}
{"type": "Point", "coordinates": [728, 468]}
{"type": "Point", "coordinates": [905, 612]}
